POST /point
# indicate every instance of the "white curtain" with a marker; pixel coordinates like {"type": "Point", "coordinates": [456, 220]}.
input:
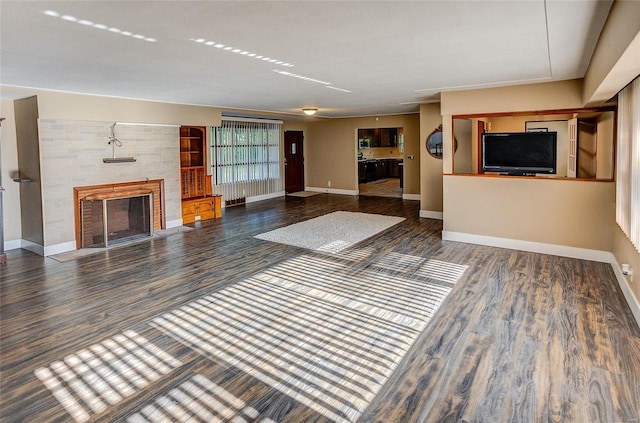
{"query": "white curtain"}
{"type": "Point", "coordinates": [246, 158]}
{"type": "Point", "coordinates": [628, 162]}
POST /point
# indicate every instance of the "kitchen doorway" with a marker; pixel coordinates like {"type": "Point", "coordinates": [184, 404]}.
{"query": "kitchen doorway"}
{"type": "Point", "coordinates": [380, 161]}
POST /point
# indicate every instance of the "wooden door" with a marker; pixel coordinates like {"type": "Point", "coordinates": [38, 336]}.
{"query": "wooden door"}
{"type": "Point", "coordinates": [293, 161]}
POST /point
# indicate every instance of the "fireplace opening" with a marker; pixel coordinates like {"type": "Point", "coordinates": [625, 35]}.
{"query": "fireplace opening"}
{"type": "Point", "coordinates": [111, 219]}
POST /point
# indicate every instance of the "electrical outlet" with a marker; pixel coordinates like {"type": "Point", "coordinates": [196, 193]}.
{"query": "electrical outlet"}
{"type": "Point", "coordinates": [329, 184]}
{"type": "Point", "coordinates": [627, 271]}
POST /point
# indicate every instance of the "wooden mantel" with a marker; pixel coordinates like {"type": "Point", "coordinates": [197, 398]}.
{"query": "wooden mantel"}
{"type": "Point", "coordinates": [121, 190]}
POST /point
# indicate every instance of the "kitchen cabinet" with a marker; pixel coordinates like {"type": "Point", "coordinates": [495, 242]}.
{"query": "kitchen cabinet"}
{"type": "Point", "coordinates": [378, 137]}
{"type": "Point", "coordinates": [381, 169]}
{"type": "Point", "coordinates": [388, 137]}
{"type": "Point", "coordinates": [367, 137]}
{"type": "Point", "coordinates": [374, 169]}
{"type": "Point", "coordinates": [394, 168]}
{"type": "Point", "coordinates": [362, 172]}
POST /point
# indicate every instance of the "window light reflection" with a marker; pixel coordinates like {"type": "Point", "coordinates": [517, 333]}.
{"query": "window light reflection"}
{"type": "Point", "coordinates": [197, 400]}
{"type": "Point", "coordinates": [88, 381]}
{"type": "Point", "coordinates": [314, 328]}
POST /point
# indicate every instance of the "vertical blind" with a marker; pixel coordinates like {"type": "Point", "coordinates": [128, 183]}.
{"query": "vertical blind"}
{"type": "Point", "coordinates": [628, 162]}
{"type": "Point", "coordinates": [246, 158]}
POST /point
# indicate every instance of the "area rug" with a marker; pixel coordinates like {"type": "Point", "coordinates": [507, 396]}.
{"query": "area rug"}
{"type": "Point", "coordinates": [332, 232]}
{"type": "Point", "coordinates": [303, 194]}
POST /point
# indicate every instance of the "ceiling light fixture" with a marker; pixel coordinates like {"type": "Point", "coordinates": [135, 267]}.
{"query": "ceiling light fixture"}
{"type": "Point", "coordinates": [304, 78]}
{"type": "Point", "coordinates": [309, 112]}
{"type": "Point", "coordinates": [339, 89]}
{"type": "Point", "coordinates": [240, 51]}
{"type": "Point", "coordinates": [89, 23]}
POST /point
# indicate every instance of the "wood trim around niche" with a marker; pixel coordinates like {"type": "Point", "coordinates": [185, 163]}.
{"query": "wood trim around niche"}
{"type": "Point", "coordinates": [606, 108]}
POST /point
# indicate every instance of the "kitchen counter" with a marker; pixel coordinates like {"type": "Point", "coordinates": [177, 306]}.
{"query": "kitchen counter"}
{"type": "Point", "coordinates": [371, 169]}
{"type": "Point", "coordinates": [381, 158]}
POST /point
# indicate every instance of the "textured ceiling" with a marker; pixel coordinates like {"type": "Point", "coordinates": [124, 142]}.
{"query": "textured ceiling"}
{"type": "Point", "coordinates": [389, 55]}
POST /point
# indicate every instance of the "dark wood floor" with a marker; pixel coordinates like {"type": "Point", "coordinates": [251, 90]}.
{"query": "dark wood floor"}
{"type": "Point", "coordinates": [521, 337]}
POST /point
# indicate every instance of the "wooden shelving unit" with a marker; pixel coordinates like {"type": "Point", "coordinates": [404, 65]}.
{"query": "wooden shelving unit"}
{"type": "Point", "coordinates": [196, 203]}
{"type": "Point", "coordinates": [192, 161]}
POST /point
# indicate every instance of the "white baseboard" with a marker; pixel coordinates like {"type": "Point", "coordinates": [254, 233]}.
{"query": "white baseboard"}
{"type": "Point", "coordinates": [41, 250]}
{"type": "Point", "coordinates": [32, 246]}
{"type": "Point", "coordinates": [557, 250]}
{"type": "Point", "coordinates": [174, 223]}
{"type": "Point", "coordinates": [332, 190]}
{"type": "Point", "coordinates": [411, 197]}
{"type": "Point", "coordinates": [632, 300]}
{"type": "Point", "coordinates": [59, 248]}
{"type": "Point", "coordinates": [14, 244]}
{"type": "Point", "coordinates": [428, 214]}
{"type": "Point", "coordinates": [265, 196]}
{"type": "Point", "coordinates": [534, 247]}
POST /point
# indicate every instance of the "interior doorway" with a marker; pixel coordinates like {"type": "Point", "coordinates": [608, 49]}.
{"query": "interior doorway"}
{"type": "Point", "coordinates": [293, 161]}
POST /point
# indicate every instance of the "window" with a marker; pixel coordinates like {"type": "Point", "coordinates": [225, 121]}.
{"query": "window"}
{"type": "Point", "coordinates": [628, 162]}
{"type": "Point", "coordinates": [246, 158]}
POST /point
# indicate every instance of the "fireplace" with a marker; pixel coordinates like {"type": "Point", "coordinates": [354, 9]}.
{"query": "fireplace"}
{"type": "Point", "coordinates": [115, 213]}
{"type": "Point", "coordinates": [110, 219]}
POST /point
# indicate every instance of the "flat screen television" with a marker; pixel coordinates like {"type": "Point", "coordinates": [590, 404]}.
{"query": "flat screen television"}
{"type": "Point", "coordinates": [519, 153]}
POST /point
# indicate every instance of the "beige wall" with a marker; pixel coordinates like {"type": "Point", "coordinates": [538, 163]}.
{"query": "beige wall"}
{"type": "Point", "coordinates": [463, 156]}
{"type": "Point", "coordinates": [59, 105]}
{"type": "Point", "coordinates": [586, 211]}
{"type": "Point", "coordinates": [9, 166]}
{"type": "Point", "coordinates": [26, 119]}
{"type": "Point", "coordinates": [518, 98]}
{"type": "Point", "coordinates": [332, 150]}
{"type": "Point", "coordinates": [577, 214]}
{"type": "Point", "coordinates": [431, 168]}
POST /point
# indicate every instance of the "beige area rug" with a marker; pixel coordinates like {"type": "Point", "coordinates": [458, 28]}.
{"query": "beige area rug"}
{"type": "Point", "coordinates": [332, 232]}
{"type": "Point", "coordinates": [83, 252]}
{"type": "Point", "coordinates": [303, 194]}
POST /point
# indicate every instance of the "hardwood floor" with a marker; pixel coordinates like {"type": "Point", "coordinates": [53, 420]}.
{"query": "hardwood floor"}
{"type": "Point", "coordinates": [388, 187]}
{"type": "Point", "coordinates": [215, 325]}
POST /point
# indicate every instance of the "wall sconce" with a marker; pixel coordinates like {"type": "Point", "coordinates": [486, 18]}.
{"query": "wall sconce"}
{"type": "Point", "coordinates": [115, 142]}
{"type": "Point", "coordinates": [309, 112]}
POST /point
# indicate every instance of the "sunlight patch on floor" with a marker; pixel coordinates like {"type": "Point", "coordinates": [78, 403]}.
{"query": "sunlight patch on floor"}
{"type": "Point", "coordinates": [197, 400]}
{"type": "Point", "coordinates": [313, 328]}
{"type": "Point", "coordinates": [102, 375]}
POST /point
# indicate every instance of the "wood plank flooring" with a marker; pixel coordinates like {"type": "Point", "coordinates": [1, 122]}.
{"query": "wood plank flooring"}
{"type": "Point", "coordinates": [215, 325]}
{"type": "Point", "coordinates": [387, 187]}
